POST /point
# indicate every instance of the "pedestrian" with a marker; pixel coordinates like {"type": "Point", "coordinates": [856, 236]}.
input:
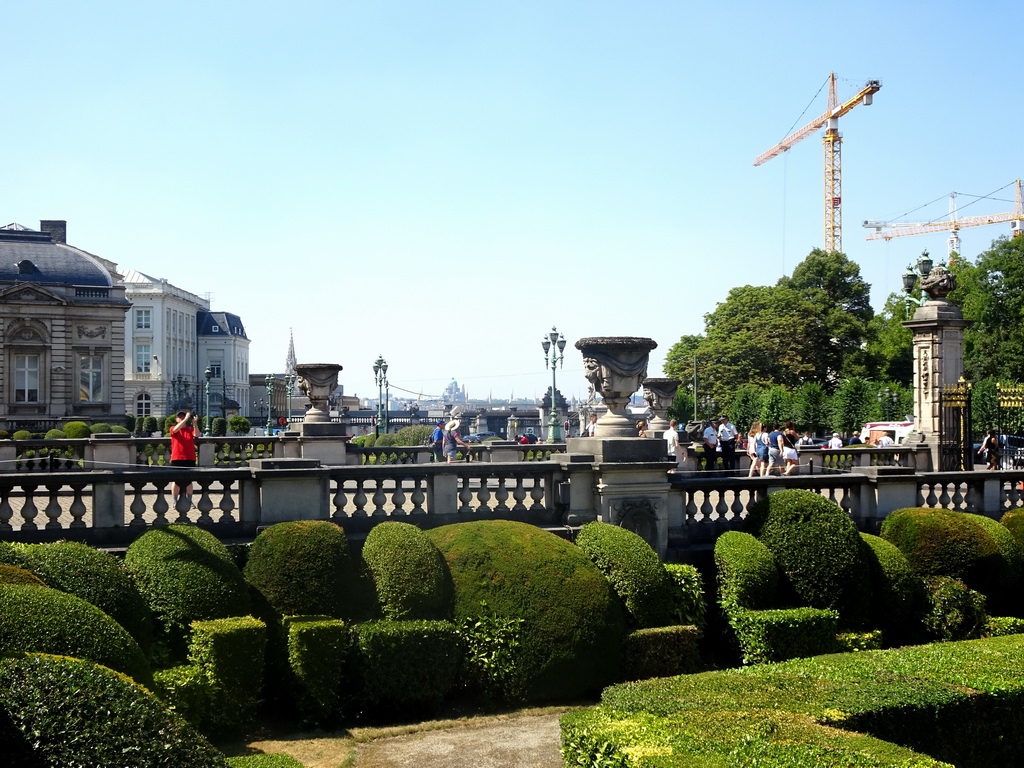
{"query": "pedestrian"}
{"type": "Point", "coordinates": [885, 441]}
{"type": "Point", "coordinates": [676, 450]}
{"type": "Point", "coordinates": [774, 450]}
{"type": "Point", "coordinates": [836, 441]}
{"type": "Point", "coordinates": [756, 448]}
{"type": "Point", "coordinates": [806, 441]}
{"type": "Point", "coordinates": [436, 442]}
{"type": "Point", "coordinates": [711, 445]}
{"type": "Point", "coordinates": [855, 438]}
{"type": "Point", "coordinates": [727, 436]}
{"type": "Point", "coordinates": [591, 426]}
{"type": "Point", "coordinates": [789, 452]}
{"type": "Point", "coordinates": [451, 441]}
{"type": "Point", "coordinates": [991, 447]}
{"type": "Point", "coordinates": [183, 451]}
{"type": "Point", "coordinates": [641, 428]}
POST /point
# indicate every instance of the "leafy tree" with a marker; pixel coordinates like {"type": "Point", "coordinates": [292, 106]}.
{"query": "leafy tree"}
{"type": "Point", "coordinates": [853, 404]}
{"type": "Point", "coordinates": [776, 406]}
{"type": "Point", "coordinates": [239, 425]}
{"type": "Point", "coordinates": [890, 345]}
{"type": "Point", "coordinates": [682, 407]}
{"type": "Point", "coordinates": [810, 406]}
{"type": "Point", "coordinates": [745, 407]}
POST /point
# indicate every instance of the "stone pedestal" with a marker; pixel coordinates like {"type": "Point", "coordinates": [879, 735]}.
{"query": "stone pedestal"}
{"type": "Point", "coordinates": [635, 497]}
{"type": "Point", "coordinates": [618, 449]}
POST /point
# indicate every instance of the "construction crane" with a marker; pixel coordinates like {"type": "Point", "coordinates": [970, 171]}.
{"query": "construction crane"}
{"type": "Point", "coordinates": [832, 142]}
{"type": "Point", "coordinates": [954, 224]}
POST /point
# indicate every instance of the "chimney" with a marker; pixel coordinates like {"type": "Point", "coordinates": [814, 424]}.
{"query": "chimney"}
{"type": "Point", "coordinates": [58, 229]}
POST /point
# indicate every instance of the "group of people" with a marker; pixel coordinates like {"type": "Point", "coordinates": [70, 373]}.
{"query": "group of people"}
{"type": "Point", "coordinates": [720, 438]}
{"type": "Point", "coordinates": [772, 449]}
{"type": "Point", "coordinates": [445, 441]}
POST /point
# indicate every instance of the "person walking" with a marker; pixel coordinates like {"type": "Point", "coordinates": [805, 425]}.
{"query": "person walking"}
{"type": "Point", "coordinates": [757, 449]}
{"type": "Point", "coordinates": [183, 452]}
{"type": "Point", "coordinates": [437, 441]}
{"type": "Point", "coordinates": [836, 441]}
{"type": "Point", "coordinates": [789, 453]}
{"type": "Point", "coordinates": [676, 450]}
{"type": "Point", "coordinates": [591, 426]}
{"type": "Point", "coordinates": [727, 436]}
{"type": "Point", "coordinates": [451, 441]}
{"type": "Point", "coordinates": [774, 450]}
{"type": "Point", "coordinates": [990, 446]}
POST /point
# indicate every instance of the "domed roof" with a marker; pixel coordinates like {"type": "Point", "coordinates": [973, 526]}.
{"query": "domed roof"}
{"type": "Point", "coordinates": [27, 256]}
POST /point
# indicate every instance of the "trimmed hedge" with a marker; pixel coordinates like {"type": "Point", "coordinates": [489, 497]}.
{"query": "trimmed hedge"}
{"type": "Point", "coordinates": [185, 574]}
{"type": "Point", "coordinates": [1013, 521]}
{"type": "Point", "coordinates": [688, 602]}
{"type": "Point", "coordinates": [491, 667]}
{"type": "Point", "coordinates": [12, 574]}
{"type": "Point", "coordinates": [962, 703]}
{"type": "Point", "coordinates": [304, 568]}
{"type": "Point", "coordinates": [818, 550]}
{"type": "Point", "coordinates": [1004, 599]}
{"type": "Point", "coordinates": [97, 577]}
{"type": "Point", "coordinates": [634, 571]}
{"type": "Point", "coordinates": [319, 652]}
{"type": "Point", "coordinates": [900, 597]}
{"type": "Point", "coordinates": [748, 577]}
{"type": "Point", "coordinates": [49, 621]}
{"type": "Point", "coordinates": [76, 430]}
{"type": "Point", "coordinates": [573, 625]}
{"type": "Point", "coordinates": [410, 575]}
{"type": "Point", "coordinates": [660, 652]}
{"type": "Point", "coordinates": [230, 654]}
{"type": "Point", "coordinates": [10, 555]}
{"type": "Point", "coordinates": [264, 761]}
{"type": "Point", "coordinates": [57, 711]}
{"type": "Point", "coordinates": [786, 633]}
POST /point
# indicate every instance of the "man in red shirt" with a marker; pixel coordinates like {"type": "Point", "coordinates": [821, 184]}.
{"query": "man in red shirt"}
{"type": "Point", "coordinates": [183, 450]}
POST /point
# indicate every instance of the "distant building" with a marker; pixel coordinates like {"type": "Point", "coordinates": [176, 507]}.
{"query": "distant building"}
{"type": "Point", "coordinates": [62, 330]}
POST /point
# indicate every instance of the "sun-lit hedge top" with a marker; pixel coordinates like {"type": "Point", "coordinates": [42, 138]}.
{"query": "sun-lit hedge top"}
{"type": "Point", "coordinates": [44, 620]}
{"type": "Point", "coordinates": [634, 571]}
{"type": "Point", "coordinates": [573, 625]}
{"type": "Point", "coordinates": [10, 555]}
{"type": "Point", "coordinates": [12, 574]}
{"type": "Point", "coordinates": [409, 573]}
{"type": "Point", "coordinates": [748, 577]}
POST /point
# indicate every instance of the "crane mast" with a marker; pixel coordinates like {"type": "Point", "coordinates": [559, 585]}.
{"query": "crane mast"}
{"type": "Point", "coordinates": [832, 142]}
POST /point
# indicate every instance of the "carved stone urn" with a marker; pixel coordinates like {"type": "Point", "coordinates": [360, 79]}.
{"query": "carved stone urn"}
{"type": "Point", "coordinates": [660, 394]}
{"type": "Point", "coordinates": [616, 366]}
{"type": "Point", "coordinates": [317, 381]}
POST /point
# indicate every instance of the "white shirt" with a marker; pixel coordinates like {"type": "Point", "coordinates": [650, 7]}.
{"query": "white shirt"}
{"type": "Point", "coordinates": [710, 435]}
{"type": "Point", "coordinates": [835, 442]}
{"type": "Point", "coordinates": [727, 431]}
{"type": "Point", "coordinates": [884, 442]}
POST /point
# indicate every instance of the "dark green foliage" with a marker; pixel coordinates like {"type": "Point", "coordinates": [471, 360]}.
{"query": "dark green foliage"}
{"type": "Point", "coordinates": [409, 573]}
{"type": "Point", "coordinates": [1004, 599]}
{"type": "Point", "coordinates": [384, 440]}
{"type": "Point", "coordinates": [49, 621]}
{"type": "Point", "coordinates": [860, 641]}
{"type": "Point", "coordinates": [229, 652]}
{"type": "Point", "coordinates": [264, 761]}
{"type": "Point", "coordinates": [955, 612]}
{"type": "Point", "coordinates": [56, 434]}
{"type": "Point", "coordinates": [748, 577]}
{"type": "Point", "coordinates": [97, 577]}
{"type": "Point", "coordinates": [239, 425]}
{"type": "Point", "coordinates": [491, 666]}
{"type": "Point", "coordinates": [319, 650]}
{"type": "Point", "coordinates": [9, 555]}
{"type": "Point", "coordinates": [415, 435]}
{"type": "Point", "coordinates": [900, 598]}
{"type": "Point", "coordinates": [185, 574]}
{"type": "Point", "coordinates": [818, 551]}
{"type": "Point", "coordinates": [405, 666]}
{"type": "Point", "coordinates": [304, 568]}
{"type": "Point", "coordinates": [4, 434]}
{"type": "Point", "coordinates": [57, 711]}
{"type": "Point", "coordinates": [129, 422]}
{"type": "Point", "coordinates": [100, 428]}
{"type": "Point", "coordinates": [76, 430]}
{"type": "Point", "coordinates": [634, 571]}
{"type": "Point", "coordinates": [22, 434]}
{"type": "Point", "coordinates": [789, 633]}
{"type": "Point", "coordinates": [219, 427]}
{"type": "Point", "coordinates": [997, 626]}
{"type": "Point", "coordinates": [660, 652]}
{"type": "Point", "coordinates": [12, 574]}
{"type": "Point", "coordinates": [117, 429]}
{"type": "Point", "coordinates": [689, 606]}
{"type": "Point", "coordinates": [1013, 521]}
{"type": "Point", "coordinates": [150, 424]}
{"type": "Point", "coordinates": [572, 623]}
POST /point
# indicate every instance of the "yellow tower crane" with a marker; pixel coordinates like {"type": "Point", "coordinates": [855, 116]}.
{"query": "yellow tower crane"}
{"type": "Point", "coordinates": [833, 155]}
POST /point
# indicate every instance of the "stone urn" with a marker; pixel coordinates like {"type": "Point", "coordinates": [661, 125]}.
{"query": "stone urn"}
{"type": "Point", "coordinates": [317, 381]}
{"type": "Point", "coordinates": [660, 394]}
{"type": "Point", "coordinates": [616, 366]}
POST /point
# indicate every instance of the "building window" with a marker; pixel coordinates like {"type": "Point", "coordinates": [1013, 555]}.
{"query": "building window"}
{"type": "Point", "coordinates": [144, 405]}
{"type": "Point", "coordinates": [143, 319]}
{"type": "Point", "coordinates": [26, 378]}
{"type": "Point", "coordinates": [90, 379]}
{"type": "Point", "coordinates": [142, 358]}
{"type": "Point", "coordinates": [215, 370]}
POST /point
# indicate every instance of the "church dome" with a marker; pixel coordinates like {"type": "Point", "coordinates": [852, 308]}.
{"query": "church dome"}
{"type": "Point", "coordinates": [28, 256]}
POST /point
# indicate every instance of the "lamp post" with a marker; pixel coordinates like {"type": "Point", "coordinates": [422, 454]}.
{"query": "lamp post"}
{"type": "Point", "coordinates": [553, 345]}
{"type": "Point", "coordinates": [208, 374]}
{"type": "Point", "coordinates": [380, 374]}
{"type": "Point", "coordinates": [270, 404]}
{"type": "Point", "coordinates": [887, 399]}
{"type": "Point", "coordinates": [258, 408]}
{"type": "Point", "coordinates": [911, 279]}
{"type": "Point", "coordinates": [289, 381]}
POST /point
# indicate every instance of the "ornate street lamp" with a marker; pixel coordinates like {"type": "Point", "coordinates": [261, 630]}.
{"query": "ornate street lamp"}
{"type": "Point", "coordinates": [380, 374]}
{"type": "Point", "coordinates": [289, 381]}
{"type": "Point", "coordinates": [887, 399]}
{"type": "Point", "coordinates": [270, 404]}
{"type": "Point", "coordinates": [553, 345]}
{"type": "Point", "coordinates": [911, 279]}
{"type": "Point", "coordinates": [208, 374]}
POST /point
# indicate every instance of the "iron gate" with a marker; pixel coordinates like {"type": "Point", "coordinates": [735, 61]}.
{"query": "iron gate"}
{"type": "Point", "coordinates": [956, 451]}
{"type": "Point", "coordinates": [1010, 425]}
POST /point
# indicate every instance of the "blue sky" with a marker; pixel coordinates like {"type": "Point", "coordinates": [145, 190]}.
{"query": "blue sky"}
{"type": "Point", "coordinates": [442, 182]}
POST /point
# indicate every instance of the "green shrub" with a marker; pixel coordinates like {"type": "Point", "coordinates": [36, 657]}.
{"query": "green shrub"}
{"type": "Point", "coordinates": [859, 641]}
{"type": "Point", "coordinates": [129, 422]}
{"type": "Point", "coordinates": [264, 761]}
{"type": "Point", "coordinates": [938, 542]}
{"type": "Point", "coordinates": [100, 428]}
{"type": "Point", "coordinates": [239, 425]}
{"type": "Point", "coordinates": [117, 429]}
{"type": "Point", "coordinates": [57, 711]}
{"type": "Point", "coordinates": [50, 621]}
{"type": "Point", "coordinates": [788, 633]}
{"type": "Point", "coordinates": [12, 574]}
{"type": "Point", "coordinates": [76, 430]}
{"type": "Point", "coordinates": [229, 652]}
{"type": "Point", "coordinates": [10, 555]}
{"type": "Point", "coordinates": [410, 575]}
{"type": "Point", "coordinates": [185, 574]}
{"type": "Point", "coordinates": [660, 652]}
{"type": "Point", "coordinates": [390, 681]}
{"type": "Point", "coordinates": [491, 668]}
{"type": "Point", "coordinates": [150, 425]}
{"type": "Point", "coordinates": [747, 575]}
{"type": "Point", "coordinates": [385, 440]}
{"type": "Point", "coordinates": [56, 434]}
{"type": "Point", "coordinates": [689, 607]}
{"type": "Point", "coordinates": [899, 594]}
{"type": "Point", "coordinates": [818, 550]}
{"type": "Point", "coordinates": [98, 578]}
{"type": "Point", "coordinates": [1004, 597]}
{"type": "Point", "coordinates": [634, 571]}
{"type": "Point", "coordinates": [415, 435]}
{"type": "Point", "coordinates": [998, 626]}
{"type": "Point", "coordinates": [1013, 521]}
{"type": "Point", "coordinates": [573, 624]}
{"type": "Point", "coordinates": [170, 421]}
{"type": "Point", "coordinates": [219, 427]}
{"type": "Point", "coordinates": [304, 568]}
{"type": "Point", "coordinates": [955, 611]}
{"type": "Point", "coordinates": [319, 652]}
{"type": "Point", "coordinates": [4, 434]}
{"type": "Point", "coordinates": [22, 434]}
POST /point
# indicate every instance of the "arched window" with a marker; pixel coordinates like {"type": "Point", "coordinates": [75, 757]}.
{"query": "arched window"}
{"type": "Point", "coordinates": [144, 405]}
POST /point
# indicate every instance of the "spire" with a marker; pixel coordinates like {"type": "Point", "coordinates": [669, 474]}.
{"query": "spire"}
{"type": "Point", "coordinates": [289, 363]}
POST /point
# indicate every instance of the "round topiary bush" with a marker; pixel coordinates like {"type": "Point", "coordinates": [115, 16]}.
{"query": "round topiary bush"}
{"type": "Point", "coordinates": [1013, 521]}
{"type": "Point", "coordinates": [748, 578]}
{"type": "Point", "coordinates": [573, 624]}
{"type": "Point", "coordinates": [98, 578]}
{"type": "Point", "coordinates": [44, 620]}
{"type": "Point", "coordinates": [76, 430]}
{"type": "Point", "coordinates": [818, 551]}
{"type": "Point", "coordinates": [150, 425]}
{"type": "Point", "coordinates": [409, 573]}
{"type": "Point", "coordinates": [117, 429]}
{"type": "Point", "coordinates": [185, 574]}
{"type": "Point", "coordinates": [900, 598]}
{"type": "Point", "coordinates": [938, 542]}
{"type": "Point", "coordinates": [69, 712]}
{"type": "Point", "coordinates": [1004, 599]}
{"type": "Point", "coordinates": [22, 434]}
{"type": "Point", "coordinates": [11, 574]}
{"type": "Point", "coordinates": [100, 428]}
{"type": "Point", "coordinates": [304, 568]}
{"type": "Point", "coordinates": [634, 571]}
{"type": "Point", "coordinates": [10, 555]}
{"type": "Point", "coordinates": [56, 434]}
